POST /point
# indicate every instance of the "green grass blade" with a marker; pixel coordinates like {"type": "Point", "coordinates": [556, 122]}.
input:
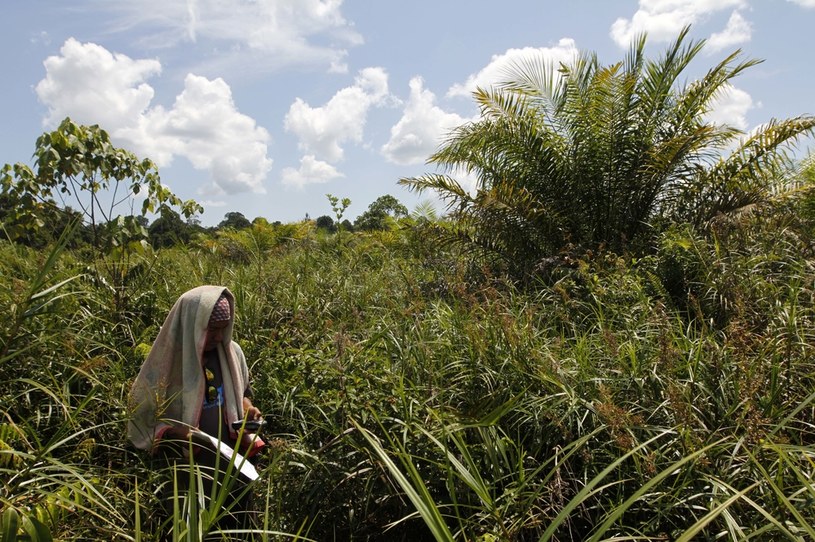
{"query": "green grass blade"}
{"type": "Point", "coordinates": [416, 491]}
{"type": "Point", "coordinates": [672, 469]}
{"type": "Point", "coordinates": [9, 523]}
{"type": "Point", "coordinates": [779, 493]}
{"type": "Point", "coordinates": [588, 489]}
{"type": "Point", "coordinates": [773, 522]}
{"type": "Point", "coordinates": [713, 514]}
{"type": "Point", "coordinates": [37, 532]}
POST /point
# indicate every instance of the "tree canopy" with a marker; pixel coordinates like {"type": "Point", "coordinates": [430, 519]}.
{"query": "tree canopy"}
{"type": "Point", "coordinates": [234, 220]}
{"type": "Point", "coordinates": [81, 162]}
{"type": "Point", "coordinates": [379, 213]}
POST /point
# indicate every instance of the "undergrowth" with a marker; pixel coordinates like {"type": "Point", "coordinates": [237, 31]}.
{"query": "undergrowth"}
{"type": "Point", "coordinates": [414, 396]}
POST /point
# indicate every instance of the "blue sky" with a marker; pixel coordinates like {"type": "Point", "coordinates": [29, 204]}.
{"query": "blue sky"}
{"type": "Point", "coordinates": [266, 106]}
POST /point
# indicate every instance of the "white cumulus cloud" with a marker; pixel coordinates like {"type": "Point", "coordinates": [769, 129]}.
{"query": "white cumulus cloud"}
{"type": "Point", "coordinates": [738, 30]}
{"type": "Point", "coordinates": [205, 127]}
{"type": "Point", "coordinates": [496, 71]}
{"type": "Point", "coordinates": [94, 86]}
{"type": "Point", "coordinates": [804, 3]}
{"type": "Point", "coordinates": [311, 171]}
{"type": "Point", "coordinates": [663, 19]}
{"type": "Point", "coordinates": [322, 131]}
{"type": "Point", "coordinates": [421, 128]}
{"type": "Point", "coordinates": [731, 108]}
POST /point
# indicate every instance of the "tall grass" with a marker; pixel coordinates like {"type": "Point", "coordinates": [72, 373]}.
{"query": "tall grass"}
{"type": "Point", "coordinates": [412, 396]}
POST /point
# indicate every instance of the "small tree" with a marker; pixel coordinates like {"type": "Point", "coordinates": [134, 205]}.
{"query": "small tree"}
{"type": "Point", "coordinates": [235, 221]}
{"type": "Point", "coordinates": [380, 213]}
{"type": "Point", "coordinates": [168, 229]}
{"type": "Point", "coordinates": [339, 206]}
{"type": "Point", "coordinates": [326, 223]}
{"type": "Point", "coordinates": [81, 164]}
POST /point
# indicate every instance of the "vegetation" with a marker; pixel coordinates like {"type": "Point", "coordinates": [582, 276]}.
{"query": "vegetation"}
{"type": "Point", "coordinates": [416, 391]}
{"type": "Point", "coordinates": [602, 156]}
{"type": "Point", "coordinates": [380, 214]}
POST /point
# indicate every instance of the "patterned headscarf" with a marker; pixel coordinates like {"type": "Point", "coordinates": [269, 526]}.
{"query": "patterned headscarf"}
{"type": "Point", "coordinates": [222, 311]}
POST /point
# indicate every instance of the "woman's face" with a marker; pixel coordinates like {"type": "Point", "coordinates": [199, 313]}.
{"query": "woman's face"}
{"type": "Point", "coordinates": [215, 334]}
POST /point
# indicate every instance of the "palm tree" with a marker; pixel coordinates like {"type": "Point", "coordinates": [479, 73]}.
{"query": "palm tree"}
{"type": "Point", "coordinates": [593, 156]}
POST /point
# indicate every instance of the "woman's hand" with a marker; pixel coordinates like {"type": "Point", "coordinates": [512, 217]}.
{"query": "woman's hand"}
{"type": "Point", "coordinates": [250, 411]}
{"type": "Point", "coordinates": [250, 442]}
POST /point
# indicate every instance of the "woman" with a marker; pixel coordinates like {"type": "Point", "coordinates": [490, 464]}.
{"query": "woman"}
{"type": "Point", "coordinates": [194, 383]}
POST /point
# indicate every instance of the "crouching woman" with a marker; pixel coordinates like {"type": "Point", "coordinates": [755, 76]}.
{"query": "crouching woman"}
{"type": "Point", "coordinates": [190, 391]}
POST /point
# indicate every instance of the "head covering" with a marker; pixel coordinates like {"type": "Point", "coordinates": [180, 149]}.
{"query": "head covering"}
{"type": "Point", "coordinates": [222, 311]}
{"type": "Point", "coordinates": [169, 389]}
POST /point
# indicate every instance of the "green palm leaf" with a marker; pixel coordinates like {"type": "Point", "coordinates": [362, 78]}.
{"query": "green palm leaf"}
{"type": "Point", "coordinates": [591, 155]}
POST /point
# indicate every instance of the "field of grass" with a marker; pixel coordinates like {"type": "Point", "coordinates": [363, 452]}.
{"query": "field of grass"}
{"type": "Point", "coordinates": [414, 394]}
